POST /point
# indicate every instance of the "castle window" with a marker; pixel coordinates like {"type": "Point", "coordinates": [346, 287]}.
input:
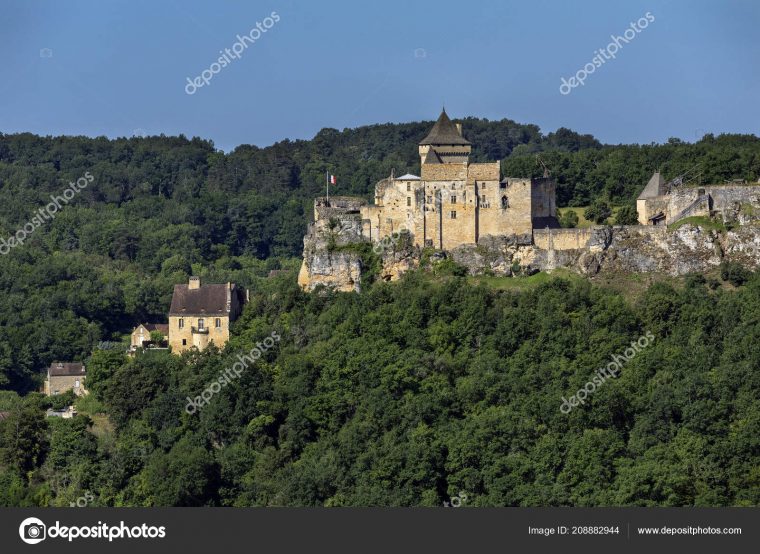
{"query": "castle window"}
{"type": "Point", "coordinates": [201, 324]}
{"type": "Point", "coordinates": [76, 384]}
{"type": "Point", "coordinates": [484, 186]}
{"type": "Point", "coordinates": [218, 323]}
{"type": "Point", "coordinates": [453, 214]}
{"type": "Point", "coordinates": [408, 187]}
{"type": "Point", "coordinates": [504, 203]}
{"type": "Point", "coordinates": [181, 323]}
{"type": "Point", "coordinates": [453, 199]}
{"type": "Point", "coordinates": [483, 198]}
{"type": "Point", "coordinates": [429, 199]}
{"type": "Point", "coordinates": [184, 342]}
{"type": "Point", "coordinates": [502, 185]}
{"type": "Point", "coordinates": [408, 200]}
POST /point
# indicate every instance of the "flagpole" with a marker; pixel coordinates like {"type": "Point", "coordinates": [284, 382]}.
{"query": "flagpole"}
{"type": "Point", "coordinates": [327, 181]}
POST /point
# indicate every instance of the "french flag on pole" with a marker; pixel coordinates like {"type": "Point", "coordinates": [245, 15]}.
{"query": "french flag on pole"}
{"type": "Point", "coordinates": [332, 179]}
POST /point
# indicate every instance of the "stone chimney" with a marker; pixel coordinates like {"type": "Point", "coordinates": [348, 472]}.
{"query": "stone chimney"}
{"type": "Point", "coordinates": [194, 283]}
{"type": "Point", "coordinates": [459, 128]}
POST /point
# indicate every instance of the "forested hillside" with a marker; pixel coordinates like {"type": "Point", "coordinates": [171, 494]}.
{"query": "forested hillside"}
{"type": "Point", "coordinates": [406, 394]}
{"type": "Point", "coordinates": [160, 208]}
{"type": "Point", "coordinates": [417, 392]}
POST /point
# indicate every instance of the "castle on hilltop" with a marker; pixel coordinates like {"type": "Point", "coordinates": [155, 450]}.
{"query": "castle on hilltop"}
{"type": "Point", "coordinates": [454, 201]}
{"type": "Point", "coordinates": [508, 225]}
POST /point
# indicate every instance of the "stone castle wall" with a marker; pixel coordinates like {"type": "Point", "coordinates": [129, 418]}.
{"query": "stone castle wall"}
{"type": "Point", "coordinates": [685, 201]}
{"type": "Point", "coordinates": [562, 239]}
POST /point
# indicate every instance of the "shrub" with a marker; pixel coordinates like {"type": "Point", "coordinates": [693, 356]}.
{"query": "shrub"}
{"type": "Point", "coordinates": [568, 219]}
{"type": "Point", "coordinates": [627, 215]}
{"type": "Point", "coordinates": [598, 212]}
{"type": "Point", "coordinates": [734, 273]}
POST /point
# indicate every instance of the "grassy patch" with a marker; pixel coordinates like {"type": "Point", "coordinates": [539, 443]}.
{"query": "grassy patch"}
{"type": "Point", "coordinates": [701, 221]}
{"type": "Point", "coordinates": [582, 221]}
{"type": "Point", "coordinates": [89, 405]}
{"type": "Point", "coordinates": [522, 282]}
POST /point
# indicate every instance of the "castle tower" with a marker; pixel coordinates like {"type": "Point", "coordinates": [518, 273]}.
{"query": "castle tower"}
{"type": "Point", "coordinates": [444, 144]}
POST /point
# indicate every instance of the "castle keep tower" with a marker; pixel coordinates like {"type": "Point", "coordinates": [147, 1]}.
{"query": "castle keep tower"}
{"type": "Point", "coordinates": [452, 202]}
{"type": "Point", "coordinates": [455, 201]}
{"type": "Point", "coordinates": [444, 144]}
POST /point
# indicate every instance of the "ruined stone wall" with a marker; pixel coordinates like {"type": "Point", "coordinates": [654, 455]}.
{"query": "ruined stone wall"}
{"type": "Point", "coordinates": [723, 199]}
{"type": "Point", "coordinates": [543, 201]}
{"type": "Point", "coordinates": [562, 239]}
{"type": "Point", "coordinates": [650, 207]}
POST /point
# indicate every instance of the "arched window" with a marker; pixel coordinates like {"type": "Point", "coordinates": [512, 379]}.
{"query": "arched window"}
{"type": "Point", "coordinates": [504, 203]}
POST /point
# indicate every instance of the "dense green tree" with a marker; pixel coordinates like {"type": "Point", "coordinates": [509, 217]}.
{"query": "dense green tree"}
{"type": "Point", "coordinates": [598, 212]}
{"type": "Point", "coordinates": [627, 215]}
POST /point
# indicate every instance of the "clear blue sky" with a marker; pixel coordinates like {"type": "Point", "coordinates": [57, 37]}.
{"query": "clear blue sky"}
{"type": "Point", "coordinates": [121, 66]}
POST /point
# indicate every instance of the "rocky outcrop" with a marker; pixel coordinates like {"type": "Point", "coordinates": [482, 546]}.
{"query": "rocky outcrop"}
{"type": "Point", "coordinates": [690, 248]}
{"type": "Point", "coordinates": [626, 249]}
{"type": "Point", "coordinates": [328, 256]}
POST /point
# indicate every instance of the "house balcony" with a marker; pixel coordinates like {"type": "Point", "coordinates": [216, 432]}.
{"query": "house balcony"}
{"type": "Point", "coordinates": [199, 330]}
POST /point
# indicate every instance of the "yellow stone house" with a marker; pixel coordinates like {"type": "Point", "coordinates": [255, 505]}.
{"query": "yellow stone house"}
{"type": "Point", "coordinates": [65, 376]}
{"type": "Point", "coordinates": [202, 313]}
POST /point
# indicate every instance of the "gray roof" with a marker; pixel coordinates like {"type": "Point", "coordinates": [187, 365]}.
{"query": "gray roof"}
{"type": "Point", "coordinates": [58, 369]}
{"type": "Point", "coordinates": [408, 177]}
{"type": "Point", "coordinates": [444, 132]}
{"type": "Point", "coordinates": [208, 299]}
{"type": "Point", "coordinates": [161, 327]}
{"type": "Point", "coordinates": [655, 186]}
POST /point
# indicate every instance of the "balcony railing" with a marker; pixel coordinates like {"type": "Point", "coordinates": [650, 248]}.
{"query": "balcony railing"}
{"type": "Point", "coordinates": [199, 330]}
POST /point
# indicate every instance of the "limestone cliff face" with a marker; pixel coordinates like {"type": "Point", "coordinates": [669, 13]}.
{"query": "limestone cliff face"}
{"type": "Point", "coordinates": [327, 260]}
{"type": "Point", "coordinates": [688, 249]}
{"type": "Point", "coordinates": [629, 249]}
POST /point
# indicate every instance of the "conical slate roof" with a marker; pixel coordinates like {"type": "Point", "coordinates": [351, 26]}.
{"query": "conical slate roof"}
{"type": "Point", "coordinates": [444, 132]}
{"type": "Point", "coordinates": [655, 186]}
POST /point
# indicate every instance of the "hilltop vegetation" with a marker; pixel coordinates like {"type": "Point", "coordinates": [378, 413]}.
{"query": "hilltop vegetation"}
{"type": "Point", "coordinates": [416, 391]}
{"type": "Point", "coordinates": [403, 395]}
{"type": "Point", "coordinates": [162, 207]}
